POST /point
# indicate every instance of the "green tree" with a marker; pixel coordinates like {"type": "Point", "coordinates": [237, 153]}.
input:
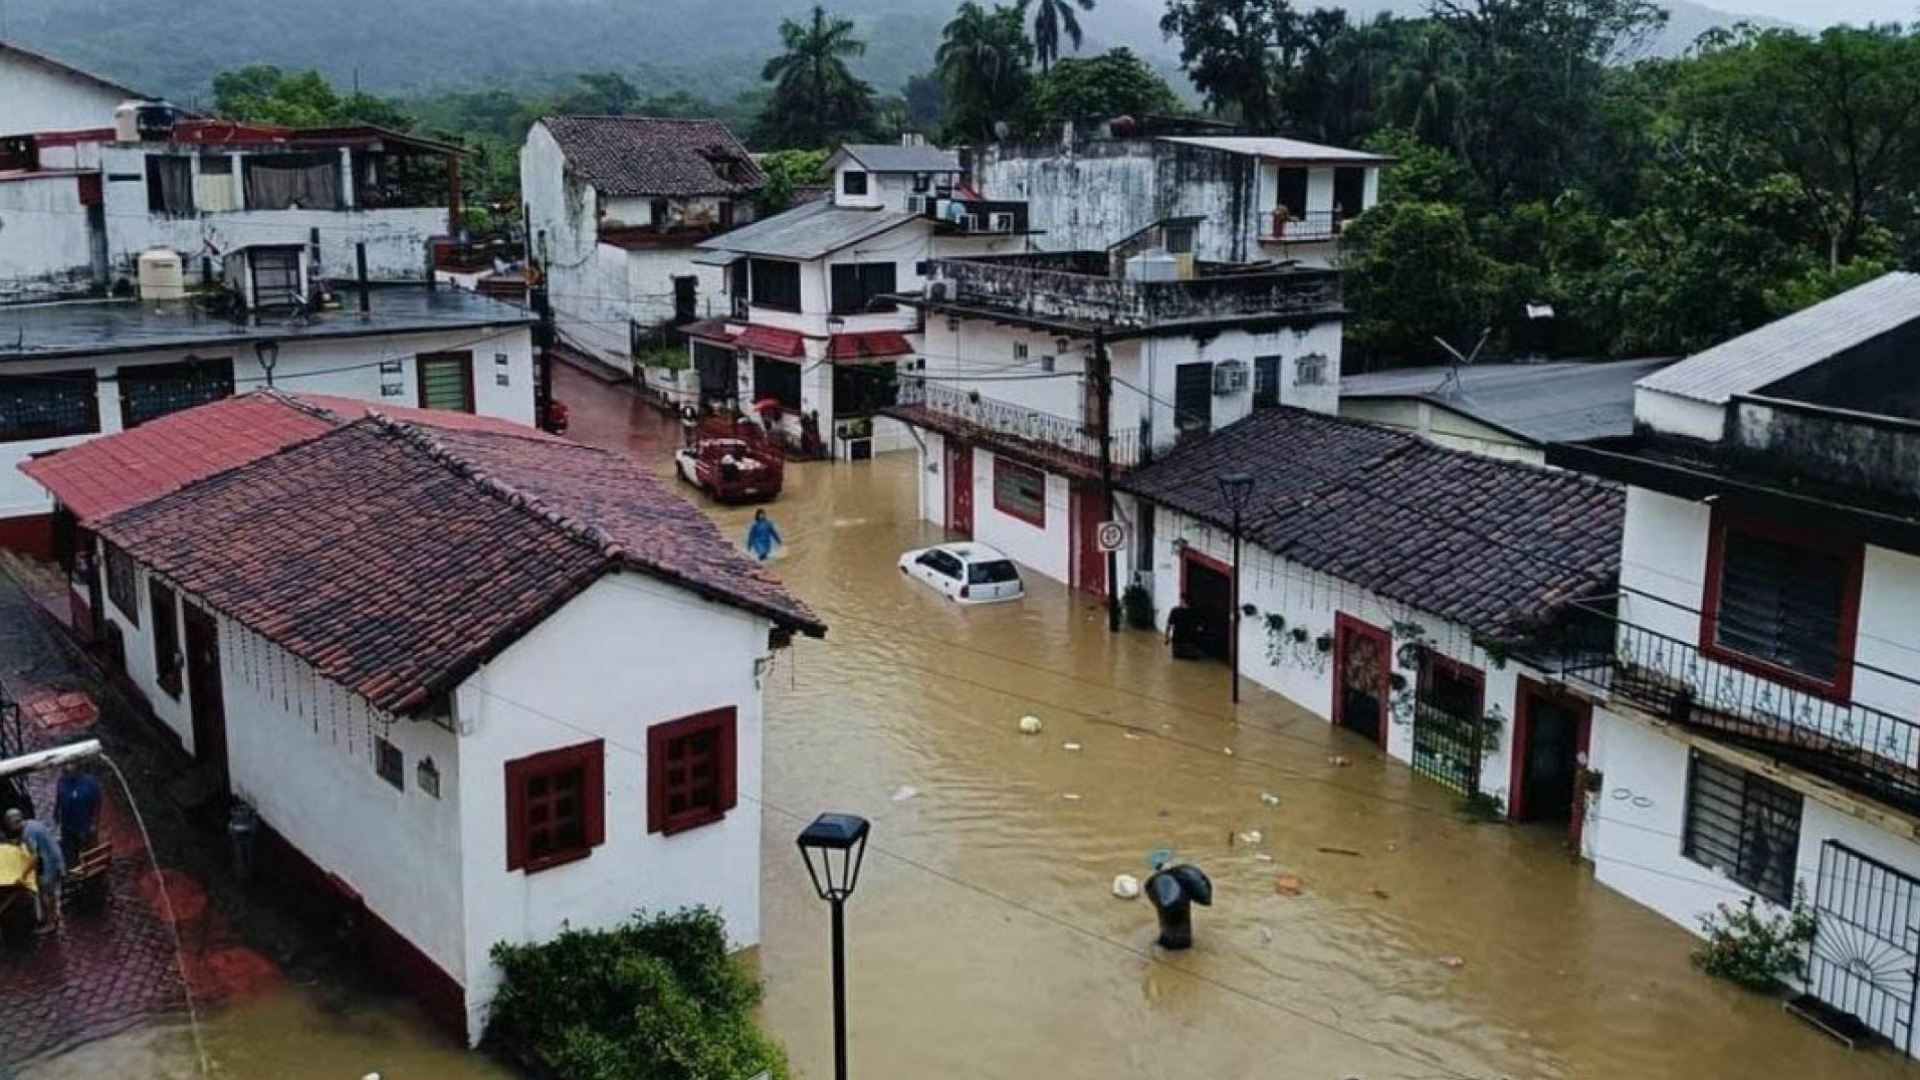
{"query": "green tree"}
{"type": "Point", "coordinates": [982, 60]}
{"type": "Point", "coordinates": [1426, 92]}
{"type": "Point", "coordinates": [604, 93]}
{"type": "Point", "coordinates": [1417, 275]}
{"type": "Point", "coordinates": [1115, 83]}
{"type": "Point", "coordinates": [1051, 19]}
{"type": "Point", "coordinates": [1226, 49]}
{"type": "Point", "coordinates": [264, 94]}
{"type": "Point", "coordinates": [816, 100]}
{"type": "Point", "coordinates": [926, 96]}
{"type": "Point", "coordinates": [787, 171]}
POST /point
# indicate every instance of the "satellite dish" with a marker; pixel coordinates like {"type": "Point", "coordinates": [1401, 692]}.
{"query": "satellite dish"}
{"type": "Point", "coordinates": [1001, 130]}
{"type": "Point", "coordinates": [1451, 383]}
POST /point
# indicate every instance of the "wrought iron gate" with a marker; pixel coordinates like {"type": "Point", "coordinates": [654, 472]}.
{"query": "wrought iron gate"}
{"type": "Point", "coordinates": [1865, 959]}
{"type": "Point", "coordinates": [1446, 747]}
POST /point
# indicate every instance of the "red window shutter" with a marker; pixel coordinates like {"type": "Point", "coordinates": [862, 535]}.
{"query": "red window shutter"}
{"type": "Point", "coordinates": [729, 760]}
{"type": "Point", "coordinates": [595, 806]}
{"type": "Point", "coordinates": [657, 737]}
{"type": "Point", "coordinates": [516, 815]}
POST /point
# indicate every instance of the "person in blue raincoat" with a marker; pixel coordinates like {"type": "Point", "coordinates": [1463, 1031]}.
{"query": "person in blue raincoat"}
{"type": "Point", "coordinates": [762, 536]}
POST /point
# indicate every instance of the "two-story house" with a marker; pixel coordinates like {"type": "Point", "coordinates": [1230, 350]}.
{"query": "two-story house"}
{"type": "Point", "coordinates": [1042, 376]}
{"type": "Point", "coordinates": [1252, 198]}
{"type": "Point", "coordinates": [1757, 678]}
{"type": "Point", "coordinates": [82, 205]}
{"type": "Point", "coordinates": [76, 370]}
{"type": "Point", "coordinates": [615, 207]}
{"type": "Point", "coordinates": [815, 326]}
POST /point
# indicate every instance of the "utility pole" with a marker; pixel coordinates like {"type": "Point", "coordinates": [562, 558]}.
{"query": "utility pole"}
{"type": "Point", "coordinates": [542, 352]}
{"type": "Point", "coordinates": [1103, 385]}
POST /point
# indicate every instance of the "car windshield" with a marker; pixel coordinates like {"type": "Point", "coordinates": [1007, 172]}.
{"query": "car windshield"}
{"type": "Point", "coordinates": [992, 573]}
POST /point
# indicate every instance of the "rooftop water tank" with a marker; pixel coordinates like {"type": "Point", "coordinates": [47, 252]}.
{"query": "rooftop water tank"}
{"type": "Point", "coordinates": [1153, 266]}
{"type": "Point", "coordinates": [162, 277]}
{"type": "Point", "coordinates": [144, 121]}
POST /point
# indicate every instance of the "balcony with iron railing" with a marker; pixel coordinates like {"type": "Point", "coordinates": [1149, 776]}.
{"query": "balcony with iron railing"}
{"type": "Point", "coordinates": [1867, 750]}
{"type": "Point", "coordinates": [1078, 290]}
{"type": "Point", "coordinates": [1318, 226]}
{"type": "Point", "coordinates": [1044, 439]}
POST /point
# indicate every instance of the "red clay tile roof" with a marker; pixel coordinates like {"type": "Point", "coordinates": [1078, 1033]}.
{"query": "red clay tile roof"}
{"type": "Point", "coordinates": [644, 156]}
{"type": "Point", "coordinates": [396, 560]}
{"type": "Point", "coordinates": [868, 344]}
{"type": "Point", "coordinates": [109, 474]}
{"type": "Point", "coordinates": [773, 341]}
{"type": "Point", "coordinates": [1497, 546]}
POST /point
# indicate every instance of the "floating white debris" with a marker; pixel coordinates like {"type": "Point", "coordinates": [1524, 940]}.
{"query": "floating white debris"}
{"type": "Point", "coordinates": [1070, 796]}
{"type": "Point", "coordinates": [1134, 735]}
{"type": "Point", "coordinates": [1269, 798]}
{"type": "Point", "coordinates": [1251, 836]}
{"type": "Point", "coordinates": [905, 792]}
{"type": "Point", "coordinates": [1261, 856]}
{"type": "Point", "coordinates": [1126, 886]}
{"type": "Point", "coordinates": [1228, 749]}
{"type": "Point", "coordinates": [1029, 725]}
{"type": "Point", "coordinates": [1070, 746]}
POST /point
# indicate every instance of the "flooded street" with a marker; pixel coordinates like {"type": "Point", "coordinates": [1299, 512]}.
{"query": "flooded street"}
{"type": "Point", "coordinates": [983, 938]}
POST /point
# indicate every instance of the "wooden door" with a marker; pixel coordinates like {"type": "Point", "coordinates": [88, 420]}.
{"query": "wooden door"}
{"type": "Point", "coordinates": [960, 488]}
{"type": "Point", "coordinates": [1550, 733]}
{"type": "Point", "coordinates": [1362, 665]}
{"type": "Point", "coordinates": [1206, 588]}
{"type": "Point", "coordinates": [204, 690]}
{"type": "Point", "coordinates": [1089, 562]}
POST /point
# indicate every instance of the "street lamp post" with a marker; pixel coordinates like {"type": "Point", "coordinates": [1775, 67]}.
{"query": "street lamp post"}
{"type": "Point", "coordinates": [268, 353]}
{"type": "Point", "coordinates": [833, 847]}
{"type": "Point", "coordinates": [1235, 488]}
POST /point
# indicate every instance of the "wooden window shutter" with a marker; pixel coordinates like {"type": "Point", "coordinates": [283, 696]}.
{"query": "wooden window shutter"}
{"type": "Point", "coordinates": [657, 738]}
{"type": "Point", "coordinates": [729, 759]}
{"type": "Point", "coordinates": [594, 807]}
{"type": "Point", "coordinates": [516, 816]}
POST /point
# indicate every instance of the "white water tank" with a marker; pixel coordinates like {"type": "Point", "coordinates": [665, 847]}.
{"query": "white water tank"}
{"type": "Point", "coordinates": [1153, 266]}
{"type": "Point", "coordinates": [162, 276]}
{"type": "Point", "coordinates": [126, 121]}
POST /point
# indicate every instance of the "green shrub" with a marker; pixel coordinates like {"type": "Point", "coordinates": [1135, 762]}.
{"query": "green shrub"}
{"type": "Point", "coordinates": [1753, 949]}
{"type": "Point", "coordinates": [664, 357]}
{"type": "Point", "coordinates": [652, 999]}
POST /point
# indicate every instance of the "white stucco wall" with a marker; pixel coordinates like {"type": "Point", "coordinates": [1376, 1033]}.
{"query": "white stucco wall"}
{"type": "Point", "coordinates": [1442, 427]}
{"type": "Point", "coordinates": [349, 367]}
{"type": "Point", "coordinates": [1047, 548]}
{"type": "Point", "coordinates": [45, 245]}
{"type": "Point", "coordinates": [1671, 414]}
{"type": "Point", "coordinates": [42, 98]}
{"type": "Point", "coordinates": [608, 665]}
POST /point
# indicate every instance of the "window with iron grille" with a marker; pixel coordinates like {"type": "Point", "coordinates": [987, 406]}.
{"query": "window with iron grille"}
{"type": "Point", "coordinates": [1783, 602]}
{"type": "Point", "coordinates": [389, 763]}
{"type": "Point", "coordinates": [556, 806]}
{"type": "Point", "coordinates": [123, 582]}
{"type": "Point", "coordinates": [1020, 492]}
{"type": "Point", "coordinates": [1743, 825]}
{"type": "Point", "coordinates": [1310, 370]}
{"type": "Point", "coordinates": [49, 406]}
{"type": "Point", "coordinates": [691, 766]}
{"type": "Point", "coordinates": [166, 636]}
{"type": "Point", "coordinates": [150, 391]}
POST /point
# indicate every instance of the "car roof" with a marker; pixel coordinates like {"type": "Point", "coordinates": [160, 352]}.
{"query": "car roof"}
{"type": "Point", "coordinates": [971, 552]}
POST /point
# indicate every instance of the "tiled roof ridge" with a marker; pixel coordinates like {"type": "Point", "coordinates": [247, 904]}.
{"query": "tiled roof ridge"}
{"type": "Point", "coordinates": [585, 533]}
{"type": "Point", "coordinates": [637, 116]}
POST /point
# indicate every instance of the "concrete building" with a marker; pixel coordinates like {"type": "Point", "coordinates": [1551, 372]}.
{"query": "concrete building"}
{"type": "Point", "coordinates": [80, 206]}
{"type": "Point", "coordinates": [1757, 713]}
{"type": "Point", "coordinates": [1505, 410]}
{"type": "Point", "coordinates": [816, 324]}
{"type": "Point", "coordinates": [73, 371]}
{"type": "Point", "coordinates": [1394, 588]}
{"type": "Point", "coordinates": [1011, 412]}
{"type": "Point", "coordinates": [445, 661]}
{"type": "Point", "coordinates": [43, 94]}
{"type": "Point", "coordinates": [616, 207]}
{"type": "Point", "coordinates": [1252, 198]}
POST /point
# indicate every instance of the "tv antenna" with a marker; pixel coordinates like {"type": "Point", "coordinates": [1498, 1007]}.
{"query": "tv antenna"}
{"type": "Point", "coordinates": [1451, 384]}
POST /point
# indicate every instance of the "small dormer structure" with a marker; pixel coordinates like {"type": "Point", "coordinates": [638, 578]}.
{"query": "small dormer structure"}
{"type": "Point", "coordinates": [268, 277]}
{"type": "Point", "coordinates": [885, 176]}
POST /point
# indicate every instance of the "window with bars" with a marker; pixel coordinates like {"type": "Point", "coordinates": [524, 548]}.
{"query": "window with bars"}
{"type": "Point", "coordinates": [123, 582]}
{"type": "Point", "coordinates": [1020, 491]}
{"type": "Point", "coordinates": [1743, 825]}
{"type": "Point", "coordinates": [150, 391]}
{"type": "Point", "coordinates": [446, 381]}
{"type": "Point", "coordinates": [556, 806]}
{"type": "Point", "coordinates": [166, 636]}
{"type": "Point", "coordinates": [691, 771]}
{"type": "Point", "coordinates": [389, 763]}
{"type": "Point", "coordinates": [1310, 370]}
{"type": "Point", "coordinates": [1784, 602]}
{"type": "Point", "coordinates": [49, 406]}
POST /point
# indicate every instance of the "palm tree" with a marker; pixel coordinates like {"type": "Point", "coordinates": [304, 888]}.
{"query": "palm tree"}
{"type": "Point", "coordinates": [816, 99]}
{"type": "Point", "coordinates": [982, 59]}
{"type": "Point", "coordinates": [1426, 98]}
{"type": "Point", "coordinates": [1050, 18]}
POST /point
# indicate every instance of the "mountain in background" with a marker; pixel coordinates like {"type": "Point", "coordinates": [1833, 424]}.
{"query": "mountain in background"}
{"type": "Point", "coordinates": [408, 48]}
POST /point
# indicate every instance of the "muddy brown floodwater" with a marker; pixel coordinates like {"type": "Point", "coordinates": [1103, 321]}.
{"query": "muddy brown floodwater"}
{"type": "Point", "coordinates": [983, 940]}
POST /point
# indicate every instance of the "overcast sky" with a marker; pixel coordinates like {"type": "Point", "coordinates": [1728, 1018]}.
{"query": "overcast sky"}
{"type": "Point", "coordinates": [1825, 12]}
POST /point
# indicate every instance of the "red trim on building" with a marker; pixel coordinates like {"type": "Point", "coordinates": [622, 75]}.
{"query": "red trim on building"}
{"type": "Point", "coordinates": [1342, 623]}
{"type": "Point", "coordinates": [1526, 690]}
{"type": "Point", "coordinates": [1841, 688]}
{"type": "Point", "coordinates": [868, 345]}
{"type": "Point", "coordinates": [711, 330]}
{"type": "Point", "coordinates": [590, 758]}
{"type": "Point", "coordinates": [1036, 519]}
{"type": "Point", "coordinates": [725, 724]}
{"type": "Point", "coordinates": [773, 341]}
{"type": "Point", "coordinates": [1189, 555]}
{"type": "Point", "coordinates": [31, 535]}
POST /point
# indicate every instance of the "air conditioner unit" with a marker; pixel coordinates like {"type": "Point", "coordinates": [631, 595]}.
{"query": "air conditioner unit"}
{"type": "Point", "coordinates": [1229, 377]}
{"type": "Point", "coordinates": [1000, 221]}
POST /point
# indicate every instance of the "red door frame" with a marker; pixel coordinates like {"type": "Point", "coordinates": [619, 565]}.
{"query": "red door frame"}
{"type": "Point", "coordinates": [1343, 624]}
{"type": "Point", "coordinates": [1524, 692]}
{"type": "Point", "coordinates": [1083, 540]}
{"type": "Point", "coordinates": [960, 488]}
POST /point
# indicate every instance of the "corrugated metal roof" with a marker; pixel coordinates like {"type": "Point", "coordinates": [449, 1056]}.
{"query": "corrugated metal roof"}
{"type": "Point", "coordinates": [889, 157]}
{"type": "Point", "coordinates": [808, 231]}
{"type": "Point", "coordinates": [1280, 149]}
{"type": "Point", "coordinates": [1568, 401]}
{"type": "Point", "coordinates": [1783, 347]}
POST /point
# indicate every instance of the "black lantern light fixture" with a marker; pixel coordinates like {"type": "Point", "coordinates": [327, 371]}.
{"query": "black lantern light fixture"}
{"type": "Point", "coordinates": [1236, 488]}
{"type": "Point", "coordinates": [268, 353]}
{"type": "Point", "coordinates": [834, 847]}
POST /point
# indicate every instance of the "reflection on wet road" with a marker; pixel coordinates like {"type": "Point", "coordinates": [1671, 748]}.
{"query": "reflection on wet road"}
{"type": "Point", "coordinates": [984, 941]}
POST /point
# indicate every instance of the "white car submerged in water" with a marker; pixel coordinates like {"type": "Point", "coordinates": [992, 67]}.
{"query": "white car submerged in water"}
{"type": "Point", "coordinates": [966, 572]}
